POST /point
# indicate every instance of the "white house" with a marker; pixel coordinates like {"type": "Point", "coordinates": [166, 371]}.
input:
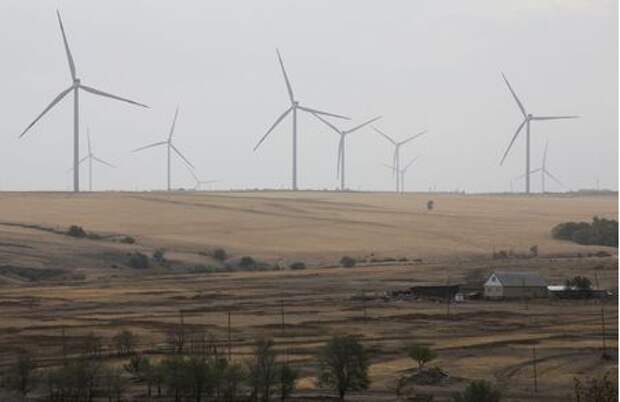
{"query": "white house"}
{"type": "Point", "coordinates": [508, 285]}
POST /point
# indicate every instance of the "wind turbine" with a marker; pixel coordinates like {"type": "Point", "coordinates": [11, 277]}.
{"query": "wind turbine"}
{"type": "Point", "coordinates": [340, 166]}
{"type": "Point", "coordinates": [169, 145]}
{"type": "Point", "coordinates": [199, 182]}
{"type": "Point", "coordinates": [397, 145]}
{"type": "Point", "coordinates": [91, 157]}
{"type": "Point", "coordinates": [75, 87]}
{"type": "Point", "coordinates": [295, 106]}
{"type": "Point", "coordinates": [527, 118]}
{"type": "Point", "coordinates": [544, 172]}
{"type": "Point", "coordinates": [402, 172]}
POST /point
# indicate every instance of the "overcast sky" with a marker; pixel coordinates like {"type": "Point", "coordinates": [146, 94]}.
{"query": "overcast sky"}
{"type": "Point", "coordinates": [420, 64]}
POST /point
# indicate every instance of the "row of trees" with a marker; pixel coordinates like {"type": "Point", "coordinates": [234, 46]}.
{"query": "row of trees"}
{"type": "Point", "coordinates": [602, 232]}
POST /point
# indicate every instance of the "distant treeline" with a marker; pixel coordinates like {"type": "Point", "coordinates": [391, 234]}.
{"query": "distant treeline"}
{"type": "Point", "coordinates": [601, 232]}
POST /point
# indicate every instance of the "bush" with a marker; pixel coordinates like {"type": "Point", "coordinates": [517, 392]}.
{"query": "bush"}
{"type": "Point", "coordinates": [298, 265]}
{"type": "Point", "coordinates": [602, 389]}
{"type": "Point", "coordinates": [479, 391]}
{"type": "Point", "coordinates": [348, 262]}
{"type": "Point", "coordinates": [247, 263]}
{"type": "Point", "coordinates": [128, 240]}
{"type": "Point", "coordinates": [220, 254]}
{"type": "Point", "coordinates": [343, 365]}
{"type": "Point", "coordinates": [430, 205]}
{"type": "Point", "coordinates": [602, 232]}
{"type": "Point", "coordinates": [159, 256]}
{"type": "Point", "coordinates": [76, 231]}
{"type": "Point", "coordinates": [579, 282]}
{"type": "Point", "coordinates": [138, 260]}
{"type": "Point", "coordinates": [421, 354]}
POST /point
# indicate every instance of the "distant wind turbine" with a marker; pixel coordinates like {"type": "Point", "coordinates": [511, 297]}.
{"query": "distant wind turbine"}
{"type": "Point", "coordinates": [75, 87]}
{"type": "Point", "coordinates": [340, 166]}
{"type": "Point", "coordinates": [397, 145]}
{"type": "Point", "coordinates": [544, 172]}
{"type": "Point", "coordinates": [293, 108]}
{"type": "Point", "coordinates": [199, 182]}
{"type": "Point", "coordinates": [170, 147]}
{"type": "Point", "coordinates": [90, 158]}
{"type": "Point", "coordinates": [402, 172]}
{"type": "Point", "coordinates": [527, 118]}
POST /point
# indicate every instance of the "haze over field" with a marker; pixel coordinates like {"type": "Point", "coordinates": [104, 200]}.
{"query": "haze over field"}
{"type": "Point", "coordinates": [422, 65]}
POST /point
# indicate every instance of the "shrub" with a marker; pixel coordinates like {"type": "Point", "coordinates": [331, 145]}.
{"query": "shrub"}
{"type": "Point", "coordinates": [348, 262]}
{"type": "Point", "coordinates": [298, 265]}
{"type": "Point", "coordinates": [479, 391]}
{"type": "Point", "coordinates": [422, 354]}
{"type": "Point", "coordinates": [125, 342]}
{"type": "Point", "coordinates": [220, 254]}
{"type": "Point", "coordinates": [430, 205]}
{"type": "Point", "coordinates": [247, 263]}
{"type": "Point", "coordinates": [76, 231]}
{"type": "Point", "coordinates": [159, 255]}
{"type": "Point", "coordinates": [128, 240]}
{"type": "Point", "coordinates": [343, 365]}
{"type": "Point", "coordinates": [579, 282]}
{"type": "Point", "coordinates": [138, 260]}
{"type": "Point", "coordinates": [602, 389]}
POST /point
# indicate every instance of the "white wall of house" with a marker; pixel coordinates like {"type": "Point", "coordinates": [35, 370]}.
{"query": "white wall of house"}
{"type": "Point", "coordinates": [493, 288]}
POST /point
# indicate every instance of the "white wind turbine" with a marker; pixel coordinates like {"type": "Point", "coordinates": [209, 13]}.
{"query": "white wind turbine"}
{"type": "Point", "coordinates": [75, 87]}
{"type": "Point", "coordinates": [293, 108]}
{"type": "Point", "coordinates": [170, 147]}
{"type": "Point", "coordinates": [90, 157]}
{"type": "Point", "coordinates": [402, 172]}
{"type": "Point", "coordinates": [396, 158]}
{"type": "Point", "coordinates": [199, 182]}
{"type": "Point", "coordinates": [527, 118]}
{"type": "Point", "coordinates": [544, 172]}
{"type": "Point", "coordinates": [340, 166]}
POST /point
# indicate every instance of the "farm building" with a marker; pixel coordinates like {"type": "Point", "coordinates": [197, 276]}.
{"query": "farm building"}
{"type": "Point", "coordinates": [509, 285]}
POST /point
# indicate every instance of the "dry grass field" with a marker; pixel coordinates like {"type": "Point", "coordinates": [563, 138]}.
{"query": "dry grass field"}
{"type": "Point", "coordinates": [93, 289]}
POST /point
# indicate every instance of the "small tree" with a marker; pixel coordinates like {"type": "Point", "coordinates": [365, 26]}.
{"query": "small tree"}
{"type": "Point", "coordinates": [159, 256]}
{"type": "Point", "coordinates": [22, 377]}
{"type": "Point", "coordinates": [347, 262]}
{"type": "Point", "coordinates": [262, 370]}
{"type": "Point", "coordinates": [125, 342]}
{"type": "Point", "coordinates": [288, 377]}
{"type": "Point", "coordinates": [479, 391]}
{"type": "Point", "coordinates": [421, 354]}
{"type": "Point", "coordinates": [343, 365]}
{"type": "Point", "coordinates": [92, 346]}
{"type": "Point", "coordinates": [430, 205]}
{"type": "Point", "coordinates": [580, 283]}
{"type": "Point", "coordinates": [602, 389]}
{"type": "Point", "coordinates": [232, 378]}
{"type": "Point", "coordinates": [220, 254]}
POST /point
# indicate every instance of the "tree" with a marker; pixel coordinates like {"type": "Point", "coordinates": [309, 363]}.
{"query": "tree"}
{"type": "Point", "coordinates": [92, 346]}
{"type": "Point", "coordinates": [232, 378]}
{"type": "Point", "coordinates": [262, 370]}
{"type": "Point", "coordinates": [602, 389]}
{"type": "Point", "coordinates": [174, 375]}
{"type": "Point", "coordinates": [479, 391]}
{"type": "Point", "coordinates": [125, 342]}
{"type": "Point", "coordinates": [343, 365]}
{"type": "Point", "coordinates": [430, 205]}
{"type": "Point", "coordinates": [288, 377]}
{"type": "Point", "coordinates": [22, 377]}
{"type": "Point", "coordinates": [579, 283]}
{"type": "Point", "coordinates": [114, 384]}
{"type": "Point", "coordinates": [421, 354]}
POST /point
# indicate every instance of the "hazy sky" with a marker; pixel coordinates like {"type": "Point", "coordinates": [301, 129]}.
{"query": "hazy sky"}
{"type": "Point", "coordinates": [421, 64]}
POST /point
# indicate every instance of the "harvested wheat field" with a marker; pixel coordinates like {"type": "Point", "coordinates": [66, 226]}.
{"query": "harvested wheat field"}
{"type": "Point", "coordinates": [52, 283]}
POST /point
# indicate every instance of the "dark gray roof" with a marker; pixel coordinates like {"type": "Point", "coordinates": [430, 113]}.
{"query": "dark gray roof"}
{"type": "Point", "coordinates": [516, 279]}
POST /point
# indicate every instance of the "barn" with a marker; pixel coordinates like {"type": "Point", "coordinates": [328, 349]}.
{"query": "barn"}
{"type": "Point", "coordinates": [511, 285]}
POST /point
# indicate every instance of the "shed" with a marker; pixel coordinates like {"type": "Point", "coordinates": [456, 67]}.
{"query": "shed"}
{"type": "Point", "coordinates": [510, 285]}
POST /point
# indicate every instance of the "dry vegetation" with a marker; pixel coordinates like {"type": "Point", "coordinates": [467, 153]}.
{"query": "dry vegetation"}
{"type": "Point", "coordinates": [86, 285]}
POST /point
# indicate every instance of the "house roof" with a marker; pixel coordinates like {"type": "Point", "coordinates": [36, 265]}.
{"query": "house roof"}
{"type": "Point", "coordinates": [518, 279]}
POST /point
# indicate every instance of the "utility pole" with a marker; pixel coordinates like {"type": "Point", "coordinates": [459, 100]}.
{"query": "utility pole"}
{"type": "Point", "coordinates": [603, 331]}
{"type": "Point", "coordinates": [229, 341]}
{"type": "Point", "coordinates": [534, 364]}
{"type": "Point", "coordinates": [448, 295]}
{"type": "Point", "coordinates": [283, 328]}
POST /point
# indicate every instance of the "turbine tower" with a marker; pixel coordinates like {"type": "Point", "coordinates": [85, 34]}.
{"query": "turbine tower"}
{"type": "Point", "coordinates": [544, 172]}
{"type": "Point", "coordinates": [90, 158]}
{"type": "Point", "coordinates": [295, 106]}
{"type": "Point", "coordinates": [340, 165]}
{"type": "Point", "coordinates": [396, 158]}
{"type": "Point", "coordinates": [527, 118]}
{"type": "Point", "coordinates": [402, 172]}
{"type": "Point", "coordinates": [170, 147]}
{"type": "Point", "coordinates": [75, 87]}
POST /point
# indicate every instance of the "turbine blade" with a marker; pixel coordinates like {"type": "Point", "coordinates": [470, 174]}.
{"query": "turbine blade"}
{"type": "Point", "coordinates": [412, 137]}
{"type": "Point", "coordinates": [554, 117]}
{"type": "Point", "coordinates": [64, 39]}
{"type": "Point", "coordinates": [339, 161]}
{"type": "Point", "coordinates": [79, 163]}
{"type": "Point", "coordinates": [384, 135]}
{"type": "Point", "coordinates": [514, 95]}
{"type": "Point", "coordinates": [108, 95]}
{"type": "Point", "coordinates": [411, 163]}
{"type": "Point", "coordinates": [174, 123]}
{"type": "Point", "coordinates": [512, 142]}
{"type": "Point", "coordinates": [181, 155]}
{"type": "Point", "coordinates": [103, 162]}
{"type": "Point", "coordinates": [278, 120]}
{"type": "Point", "coordinates": [327, 123]}
{"type": "Point", "coordinates": [363, 125]}
{"type": "Point", "coordinates": [310, 110]}
{"type": "Point", "coordinates": [51, 105]}
{"type": "Point", "coordinates": [288, 84]}
{"type": "Point", "coordinates": [553, 178]}
{"type": "Point", "coordinates": [523, 175]}
{"type": "Point", "coordinates": [150, 146]}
